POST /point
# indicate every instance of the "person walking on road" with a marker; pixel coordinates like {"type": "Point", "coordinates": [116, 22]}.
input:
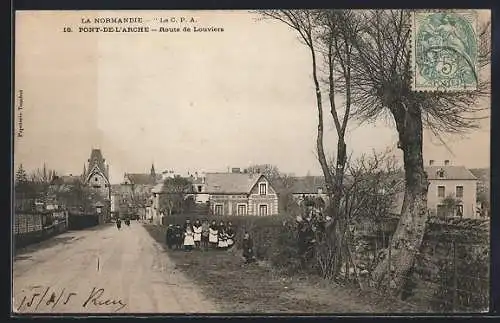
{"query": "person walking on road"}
{"type": "Point", "coordinates": [119, 223]}
{"type": "Point", "coordinates": [197, 233]}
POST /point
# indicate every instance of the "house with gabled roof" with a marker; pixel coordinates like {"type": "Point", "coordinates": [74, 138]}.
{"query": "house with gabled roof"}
{"type": "Point", "coordinates": [232, 193]}
{"type": "Point", "coordinates": [451, 181]}
{"type": "Point", "coordinates": [309, 187]}
{"type": "Point", "coordinates": [239, 193]}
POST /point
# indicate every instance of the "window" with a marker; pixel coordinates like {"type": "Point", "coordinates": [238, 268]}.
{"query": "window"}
{"type": "Point", "coordinates": [199, 188]}
{"type": "Point", "coordinates": [242, 209]}
{"type": "Point", "coordinates": [262, 189]}
{"type": "Point", "coordinates": [218, 209]}
{"type": "Point", "coordinates": [440, 173]}
{"type": "Point", "coordinates": [441, 191]}
{"type": "Point", "coordinates": [96, 179]}
{"type": "Point", "coordinates": [263, 209]}
{"type": "Point", "coordinates": [459, 191]}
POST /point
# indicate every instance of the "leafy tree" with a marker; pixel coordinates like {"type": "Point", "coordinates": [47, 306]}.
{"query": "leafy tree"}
{"type": "Point", "coordinates": [21, 175]}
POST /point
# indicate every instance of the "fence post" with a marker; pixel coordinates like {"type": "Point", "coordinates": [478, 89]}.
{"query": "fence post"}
{"type": "Point", "coordinates": [455, 275]}
{"type": "Point", "coordinates": [389, 272]}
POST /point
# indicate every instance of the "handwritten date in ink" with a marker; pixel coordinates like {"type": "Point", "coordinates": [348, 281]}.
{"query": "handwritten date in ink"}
{"type": "Point", "coordinates": [40, 298]}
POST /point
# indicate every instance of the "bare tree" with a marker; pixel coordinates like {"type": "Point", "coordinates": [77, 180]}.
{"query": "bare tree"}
{"type": "Point", "coordinates": [381, 84]}
{"type": "Point", "coordinates": [272, 172]}
{"type": "Point", "coordinates": [328, 40]}
{"type": "Point", "coordinates": [371, 188]}
{"type": "Point", "coordinates": [175, 192]}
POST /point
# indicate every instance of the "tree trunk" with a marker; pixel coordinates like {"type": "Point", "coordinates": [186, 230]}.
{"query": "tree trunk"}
{"type": "Point", "coordinates": [410, 231]}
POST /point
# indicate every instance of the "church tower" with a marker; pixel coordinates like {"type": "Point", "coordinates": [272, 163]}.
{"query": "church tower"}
{"type": "Point", "coordinates": [97, 174]}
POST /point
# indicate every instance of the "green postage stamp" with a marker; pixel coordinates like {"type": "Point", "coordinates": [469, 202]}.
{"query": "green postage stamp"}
{"type": "Point", "coordinates": [444, 51]}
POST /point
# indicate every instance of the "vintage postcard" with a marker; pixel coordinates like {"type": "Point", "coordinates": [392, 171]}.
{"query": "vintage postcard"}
{"type": "Point", "coordinates": [263, 161]}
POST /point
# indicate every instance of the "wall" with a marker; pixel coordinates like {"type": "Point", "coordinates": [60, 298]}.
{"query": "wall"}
{"type": "Point", "coordinates": [98, 180]}
{"type": "Point", "coordinates": [32, 228]}
{"type": "Point", "coordinates": [468, 200]}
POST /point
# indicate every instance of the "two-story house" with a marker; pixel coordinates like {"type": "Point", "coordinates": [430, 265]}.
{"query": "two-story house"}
{"type": "Point", "coordinates": [451, 181]}
{"type": "Point", "coordinates": [232, 193]}
{"type": "Point", "coordinates": [239, 193]}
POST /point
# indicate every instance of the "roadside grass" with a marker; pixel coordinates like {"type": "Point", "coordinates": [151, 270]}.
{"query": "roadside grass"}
{"type": "Point", "coordinates": [257, 288]}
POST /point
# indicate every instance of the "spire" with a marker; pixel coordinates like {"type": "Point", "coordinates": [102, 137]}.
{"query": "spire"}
{"type": "Point", "coordinates": [84, 171]}
{"type": "Point", "coordinates": [153, 173]}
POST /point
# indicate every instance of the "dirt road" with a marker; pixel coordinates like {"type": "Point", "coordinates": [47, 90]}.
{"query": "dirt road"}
{"type": "Point", "coordinates": [103, 271]}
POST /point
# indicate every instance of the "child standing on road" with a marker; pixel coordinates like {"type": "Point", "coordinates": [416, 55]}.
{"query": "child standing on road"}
{"type": "Point", "coordinates": [188, 236]}
{"type": "Point", "coordinates": [197, 233]}
{"type": "Point", "coordinates": [170, 236]}
{"type": "Point", "coordinates": [213, 234]}
{"type": "Point", "coordinates": [230, 235]}
{"type": "Point", "coordinates": [205, 233]}
{"type": "Point", "coordinates": [222, 236]}
{"type": "Point", "coordinates": [248, 253]}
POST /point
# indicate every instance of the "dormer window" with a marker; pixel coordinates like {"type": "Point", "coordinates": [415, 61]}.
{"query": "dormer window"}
{"type": "Point", "coordinates": [440, 173]}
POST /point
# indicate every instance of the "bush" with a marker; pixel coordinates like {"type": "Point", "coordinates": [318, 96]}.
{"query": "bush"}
{"type": "Point", "coordinates": [285, 252]}
{"type": "Point", "coordinates": [471, 291]}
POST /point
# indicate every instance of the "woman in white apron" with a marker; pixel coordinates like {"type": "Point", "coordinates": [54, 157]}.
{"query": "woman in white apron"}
{"type": "Point", "coordinates": [230, 235]}
{"type": "Point", "coordinates": [222, 236]}
{"type": "Point", "coordinates": [213, 234]}
{"type": "Point", "coordinates": [197, 233]}
{"type": "Point", "coordinates": [188, 236]}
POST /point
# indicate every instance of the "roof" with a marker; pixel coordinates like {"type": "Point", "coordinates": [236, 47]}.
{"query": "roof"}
{"type": "Point", "coordinates": [142, 179]}
{"type": "Point", "coordinates": [308, 185]}
{"type": "Point", "coordinates": [230, 182]}
{"type": "Point", "coordinates": [450, 173]}
{"type": "Point", "coordinates": [96, 154]}
{"type": "Point", "coordinates": [483, 174]}
{"type": "Point", "coordinates": [66, 179]}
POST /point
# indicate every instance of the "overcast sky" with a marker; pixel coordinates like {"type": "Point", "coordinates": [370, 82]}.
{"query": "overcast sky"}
{"type": "Point", "coordinates": [185, 101]}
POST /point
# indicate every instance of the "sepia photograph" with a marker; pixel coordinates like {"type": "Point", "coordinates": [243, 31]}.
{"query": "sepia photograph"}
{"type": "Point", "coordinates": [205, 162]}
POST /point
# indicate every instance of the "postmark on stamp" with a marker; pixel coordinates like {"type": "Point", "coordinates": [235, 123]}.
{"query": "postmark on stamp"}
{"type": "Point", "coordinates": [444, 51]}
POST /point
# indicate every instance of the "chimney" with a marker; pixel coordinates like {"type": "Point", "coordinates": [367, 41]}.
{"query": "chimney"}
{"type": "Point", "coordinates": [447, 162]}
{"type": "Point", "coordinates": [431, 162]}
{"type": "Point", "coordinates": [195, 175]}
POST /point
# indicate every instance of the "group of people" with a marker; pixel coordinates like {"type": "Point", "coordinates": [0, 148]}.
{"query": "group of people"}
{"type": "Point", "coordinates": [119, 223]}
{"type": "Point", "coordinates": [203, 235]}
